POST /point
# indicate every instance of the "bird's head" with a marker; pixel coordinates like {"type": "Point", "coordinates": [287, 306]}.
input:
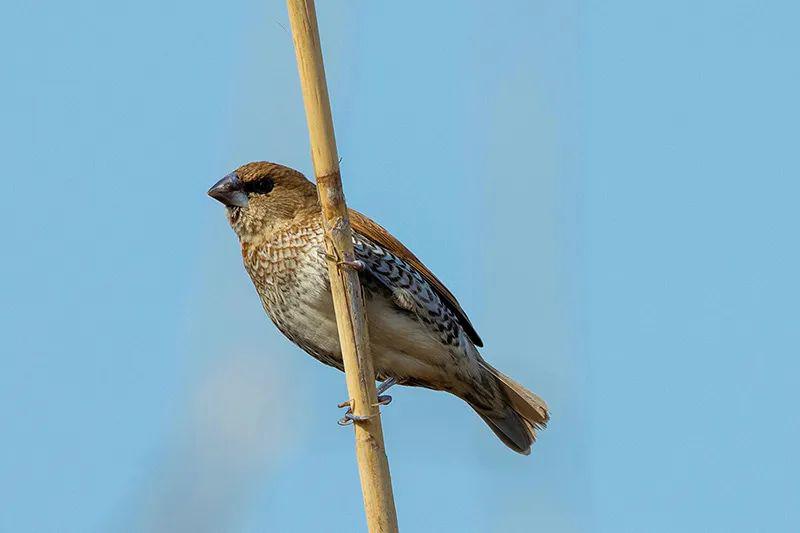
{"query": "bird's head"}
{"type": "Point", "coordinates": [262, 196]}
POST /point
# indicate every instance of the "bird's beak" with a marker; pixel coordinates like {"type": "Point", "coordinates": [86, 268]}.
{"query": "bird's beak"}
{"type": "Point", "coordinates": [229, 191]}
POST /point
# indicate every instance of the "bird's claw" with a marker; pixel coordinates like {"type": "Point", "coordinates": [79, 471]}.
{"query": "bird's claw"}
{"type": "Point", "coordinates": [384, 400]}
{"type": "Point", "coordinates": [349, 417]}
{"type": "Point", "coordinates": [383, 387]}
{"type": "Point", "coordinates": [356, 264]}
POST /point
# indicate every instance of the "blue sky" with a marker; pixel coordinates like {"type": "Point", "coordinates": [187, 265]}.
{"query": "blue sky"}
{"type": "Point", "coordinates": [609, 188]}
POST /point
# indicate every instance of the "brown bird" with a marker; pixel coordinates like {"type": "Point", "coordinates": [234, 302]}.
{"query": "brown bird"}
{"type": "Point", "coordinates": [418, 332]}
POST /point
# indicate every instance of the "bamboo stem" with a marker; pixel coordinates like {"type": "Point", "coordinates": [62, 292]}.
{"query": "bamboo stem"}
{"type": "Point", "coordinates": [348, 302]}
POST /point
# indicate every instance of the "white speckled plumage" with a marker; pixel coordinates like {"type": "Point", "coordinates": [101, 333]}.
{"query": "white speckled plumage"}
{"type": "Point", "coordinates": [291, 278]}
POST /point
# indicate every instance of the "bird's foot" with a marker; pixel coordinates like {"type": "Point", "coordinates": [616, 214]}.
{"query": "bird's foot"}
{"type": "Point", "coordinates": [383, 399]}
{"type": "Point", "coordinates": [385, 385]}
{"type": "Point", "coordinates": [349, 417]}
{"type": "Point", "coordinates": [356, 264]}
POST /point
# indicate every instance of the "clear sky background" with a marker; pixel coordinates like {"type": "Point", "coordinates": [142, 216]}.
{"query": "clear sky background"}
{"type": "Point", "coordinates": [610, 188]}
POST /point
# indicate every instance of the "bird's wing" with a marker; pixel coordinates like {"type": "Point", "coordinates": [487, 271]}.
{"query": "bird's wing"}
{"type": "Point", "coordinates": [364, 226]}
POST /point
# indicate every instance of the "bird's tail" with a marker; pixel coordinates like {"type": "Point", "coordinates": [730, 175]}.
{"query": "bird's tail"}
{"type": "Point", "coordinates": [519, 415]}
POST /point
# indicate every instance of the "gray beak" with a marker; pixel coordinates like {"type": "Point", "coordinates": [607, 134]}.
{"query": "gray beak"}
{"type": "Point", "coordinates": [229, 191]}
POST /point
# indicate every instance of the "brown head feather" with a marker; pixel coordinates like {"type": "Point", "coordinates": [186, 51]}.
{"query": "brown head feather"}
{"type": "Point", "coordinates": [286, 196]}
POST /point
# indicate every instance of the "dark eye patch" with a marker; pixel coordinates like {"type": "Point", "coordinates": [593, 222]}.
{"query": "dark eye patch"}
{"type": "Point", "coordinates": [259, 186]}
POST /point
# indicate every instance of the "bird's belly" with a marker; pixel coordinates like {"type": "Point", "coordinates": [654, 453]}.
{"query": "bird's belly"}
{"type": "Point", "coordinates": [405, 348]}
{"type": "Point", "coordinates": [312, 329]}
{"type": "Point", "coordinates": [299, 303]}
{"type": "Point", "coordinates": [402, 346]}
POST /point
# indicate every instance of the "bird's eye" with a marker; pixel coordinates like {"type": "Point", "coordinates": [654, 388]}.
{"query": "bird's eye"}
{"type": "Point", "coordinates": [259, 186]}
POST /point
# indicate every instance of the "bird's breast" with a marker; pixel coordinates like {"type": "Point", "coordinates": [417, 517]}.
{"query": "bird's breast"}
{"type": "Point", "coordinates": [288, 269]}
{"type": "Point", "coordinates": [290, 274]}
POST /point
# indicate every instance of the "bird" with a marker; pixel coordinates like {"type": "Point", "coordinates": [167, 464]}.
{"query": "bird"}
{"type": "Point", "coordinates": [419, 335]}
